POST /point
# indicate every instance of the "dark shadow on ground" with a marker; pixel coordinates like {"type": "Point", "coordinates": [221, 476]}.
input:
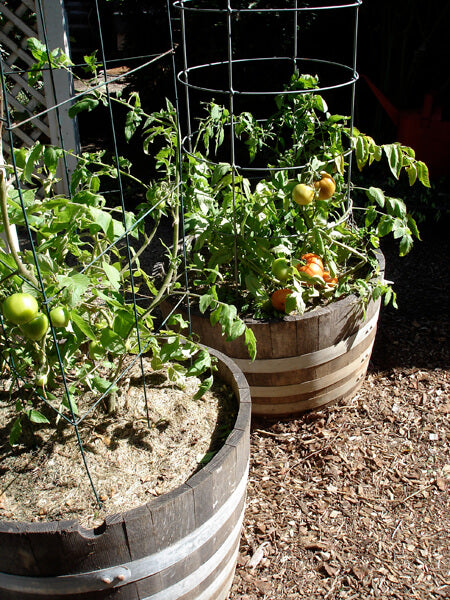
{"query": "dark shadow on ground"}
{"type": "Point", "coordinates": [417, 333]}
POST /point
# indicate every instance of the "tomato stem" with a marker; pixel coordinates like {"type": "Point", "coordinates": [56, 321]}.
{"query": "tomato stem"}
{"type": "Point", "coordinates": [342, 245]}
{"type": "Point", "coordinates": [21, 268]}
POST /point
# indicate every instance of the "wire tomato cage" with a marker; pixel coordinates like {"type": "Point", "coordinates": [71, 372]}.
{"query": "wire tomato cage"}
{"type": "Point", "coordinates": [243, 72]}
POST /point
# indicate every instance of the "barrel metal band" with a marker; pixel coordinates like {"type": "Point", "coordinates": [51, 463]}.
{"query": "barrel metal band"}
{"type": "Point", "coordinates": [319, 383]}
{"type": "Point", "coordinates": [272, 408]}
{"type": "Point", "coordinates": [116, 576]}
{"type": "Point", "coordinates": [312, 359]}
{"type": "Point", "coordinates": [189, 583]}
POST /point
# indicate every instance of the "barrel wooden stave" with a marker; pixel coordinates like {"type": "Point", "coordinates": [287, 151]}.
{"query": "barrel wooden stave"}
{"type": "Point", "coordinates": [326, 336]}
{"type": "Point", "coordinates": [282, 406]}
{"type": "Point", "coordinates": [300, 375]}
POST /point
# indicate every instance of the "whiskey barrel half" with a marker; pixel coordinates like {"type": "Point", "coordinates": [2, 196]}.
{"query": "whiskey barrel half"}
{"type": "Point", "coordinates": [182, 545]}
{"type": "Point", "coordinates": [303, 361]}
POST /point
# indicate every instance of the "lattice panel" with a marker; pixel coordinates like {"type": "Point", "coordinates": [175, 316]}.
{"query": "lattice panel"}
{"type": "Point", "coordinates": [24, 101]}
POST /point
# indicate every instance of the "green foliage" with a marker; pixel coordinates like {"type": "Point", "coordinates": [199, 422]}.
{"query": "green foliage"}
{"type": "Point", "coordinates": [237, 227]}
{"type": "Point", "coordinates": [81, 261]}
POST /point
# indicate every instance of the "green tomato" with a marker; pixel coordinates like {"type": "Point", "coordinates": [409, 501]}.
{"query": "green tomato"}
{"type": "Point", "coordinates": [266, 306]}
{"type": "Point", "coordinates": [36, 328]}
{"type": "Point", "coordinates": [20, 308]}
{"type": "Point", "coordinates": [59, 316]}
{"type": "Point", "coordinates": [41, 380]}
{"type": "Point", "coordinates": [281, 269]}
{"type": "Point", "coordinates": [303, 194]}
{"type": "Point", "coordinates": [96, 350]}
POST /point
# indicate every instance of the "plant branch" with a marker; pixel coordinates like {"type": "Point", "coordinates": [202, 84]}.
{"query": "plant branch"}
{"type": "Point", "coordinates": [345, 246]}
{"type": "Point", "coordinates": [22, 269]}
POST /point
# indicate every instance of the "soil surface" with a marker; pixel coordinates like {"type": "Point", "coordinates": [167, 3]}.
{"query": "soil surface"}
{"type": "Point", "coordinates": [132, 456]}
{"type": "Point", "coordinates": [352, 501]}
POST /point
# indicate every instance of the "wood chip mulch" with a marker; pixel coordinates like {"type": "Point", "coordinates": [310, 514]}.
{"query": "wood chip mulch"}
{"type": "Point", "coordinates": [352, 501]}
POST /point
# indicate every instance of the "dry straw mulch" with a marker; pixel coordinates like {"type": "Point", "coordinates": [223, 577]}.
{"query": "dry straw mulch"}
{"type": "Point", "coordinates": [129, 462]}
{"type": "Point", "coordinates": [352, 502]}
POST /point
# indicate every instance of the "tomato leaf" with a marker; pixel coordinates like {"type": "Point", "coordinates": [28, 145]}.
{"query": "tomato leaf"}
{"type": "Point", "coordinates": [37, 417]}
{"type": "Point", "coordinates": [205, 302]}
{"type": "Point", "coordinates": [82, 325]}
{"type": "Point", "coordinates": [15, 432]}
{"type": "Point", "coordinates": [113, 342]}
{"type": "Point", "coordinates": [237, 329]}
{"type": "Point", "coordinates": [201, 363]}
{"type": "Point", "coordinates": [33, 157]}
{"type": "Point", "coordinates": [395, 158]}
{"type": "Point", "coordinates": [250, 342]}
{"type": "Point", "coordinates": [112, 274]}
{"type": "Point", "coordinates": [103, 385]}
{"type": "Point", "coordinates": [87, 103]}
{"type": "Point", "coordinates": [75, 287]}
{"type": "Point", "coordinates": [377, 195]}
{"type": "Point", "coordinates": [177, 374]}
{"type": "Point", "coordinates": [177, 320]}
{"type": "Point", "coordinates": [71, 405]}
{"type": "Point", "coordinates": [214, 317]}
{"type": "Point", "coordinates": [423, 174]}
{"type": "Point", "coordinates": [406, 244]}
{"type": "Point", "coordinates": [204, 387]}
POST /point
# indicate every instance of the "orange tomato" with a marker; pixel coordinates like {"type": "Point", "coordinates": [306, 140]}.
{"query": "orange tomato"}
{"type": "Point", "coordinates": [278, 299]}
{"type": "Point", "coordinates": [325, 187]}
{"type": "Point", "coordinates": [328, 279]}
{"type": "Point", "coordinates": [312, 258]}
{"type": "Point", "coordinates": [312, 269]}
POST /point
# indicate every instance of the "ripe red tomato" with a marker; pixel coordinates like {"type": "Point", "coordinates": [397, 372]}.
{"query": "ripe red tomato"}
{"type": "Point", "coordinates": [278, 299]}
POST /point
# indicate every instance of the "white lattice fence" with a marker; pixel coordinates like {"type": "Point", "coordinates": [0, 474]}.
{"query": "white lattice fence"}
{"type": "Point", "coordinates": [24, 19]}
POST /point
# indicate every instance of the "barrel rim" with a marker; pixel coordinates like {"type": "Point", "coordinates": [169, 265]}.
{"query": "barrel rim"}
{"type": "Point", "coordinates": [229, 372]}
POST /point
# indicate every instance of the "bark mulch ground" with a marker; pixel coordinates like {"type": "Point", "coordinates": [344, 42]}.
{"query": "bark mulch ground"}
{"type": "Point", "coordinates": [352, 501]}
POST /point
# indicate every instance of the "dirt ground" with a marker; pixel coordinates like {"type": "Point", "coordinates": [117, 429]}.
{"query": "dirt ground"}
{"type": "Point", "coordinates": [352, 502]}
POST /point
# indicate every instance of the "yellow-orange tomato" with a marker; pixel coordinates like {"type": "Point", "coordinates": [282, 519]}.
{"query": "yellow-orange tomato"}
{"type": "Point", "coordinates": [312, 258]}
{"type": "Point", "coordinates": [303, 194]}
{"type": "Point", "coordinates": [312, 269]}
{"type": "Point", "coordinates": [278, 299]}
{"type": "Point", "coordinates": [325, 187]}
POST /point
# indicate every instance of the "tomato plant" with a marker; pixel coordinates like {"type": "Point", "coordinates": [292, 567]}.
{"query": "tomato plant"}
{"type": "Point", "coordinates": [245, 234]}
{"type": "Point", "coordinates": [73, 312]}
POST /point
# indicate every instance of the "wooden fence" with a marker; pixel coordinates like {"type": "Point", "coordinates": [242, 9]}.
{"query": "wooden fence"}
{"type": "Point", "coordinates": [45, 20]}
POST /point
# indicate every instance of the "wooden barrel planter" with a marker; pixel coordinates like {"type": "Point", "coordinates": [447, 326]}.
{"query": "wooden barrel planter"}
{"type": "Point", "coordinates": [181, 545]}
{"type": "Point", "coordinates": [303, 362]}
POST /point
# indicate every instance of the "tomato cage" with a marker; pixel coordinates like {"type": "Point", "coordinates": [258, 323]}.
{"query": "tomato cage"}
{"type": "Point", "coordinates": [86, 215]}
{"type": "Point", "coordinates": [272, 106]}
